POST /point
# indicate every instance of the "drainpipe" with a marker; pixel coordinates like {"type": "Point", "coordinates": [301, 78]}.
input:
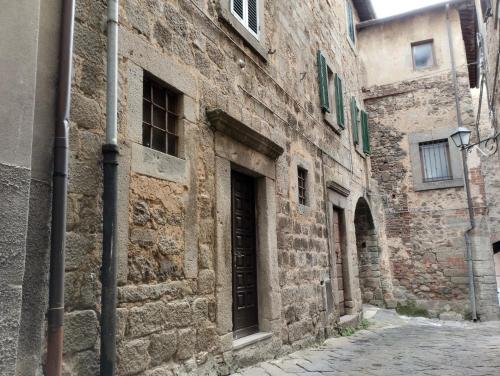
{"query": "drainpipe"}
{"type": "Point", "coordinates": [110, 170]}
{"type": "Point", "coordinates": [55, 314]}
{"type": "Point", "coordinates": [470, 271]}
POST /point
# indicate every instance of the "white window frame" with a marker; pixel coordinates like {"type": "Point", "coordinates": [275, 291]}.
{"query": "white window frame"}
{"type": "Point", "coordinates": [433, 54]}
{"type": "Point", "coordinates": [244, 20]}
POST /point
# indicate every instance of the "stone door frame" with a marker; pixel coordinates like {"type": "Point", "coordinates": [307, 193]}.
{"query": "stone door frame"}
{"type": "Point", "coordinates": [337, 199]}
{"type": "Point", "coordinates": [254, 155]}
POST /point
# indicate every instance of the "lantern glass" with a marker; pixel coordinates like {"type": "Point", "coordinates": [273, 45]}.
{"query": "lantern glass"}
{"type": "Point", "coordinates": [461, 137]}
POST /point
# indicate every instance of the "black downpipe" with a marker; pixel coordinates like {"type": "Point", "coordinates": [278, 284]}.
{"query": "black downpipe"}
{"type": "Point", "coordinates": [55, 314]}
{"type": "Point", "coordinates": [109, 261]}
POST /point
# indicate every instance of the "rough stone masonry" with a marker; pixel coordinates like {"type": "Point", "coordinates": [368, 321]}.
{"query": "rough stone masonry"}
{"type": "Point", "coordinates": [336, 213]}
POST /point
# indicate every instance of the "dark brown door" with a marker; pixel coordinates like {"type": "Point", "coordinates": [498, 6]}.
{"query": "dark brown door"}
{"type": "Point", "coordinates": [245, 320]}
{"type": "Point", "coordinates": [338, 248]}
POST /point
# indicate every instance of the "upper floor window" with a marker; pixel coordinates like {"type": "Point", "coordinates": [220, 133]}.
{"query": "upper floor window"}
{"type": "Point", "coordinates": [423, 54]}
{"type": "Point", "coordinates": [435, 159]}
{"type": "Point", "coordinates": [486, 9]}
{"type": "Point", "coordinates": [330, 85]}
{"type": "Point", "coordinates": [302, 186]}
{"type": "Point", "coordinates": [351, 27]}
{"type": "Point", "coordinates": [160, 118]}
{"type": "Point", "coordinates": [247, 12]}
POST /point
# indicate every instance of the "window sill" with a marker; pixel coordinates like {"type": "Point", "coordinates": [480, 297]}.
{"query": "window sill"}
{"type": "Point", "coordinates": [241, 343]}
{"type": "Point", "coordinates": [332, 123]}
{"type": "Point", "coordinates": [360, 152]}
{"type": "Point", "coordinates": [352, 45]}
{"type": "Point", "coordinates": [147, 161]}
{"type": "Point", "coordinates": [444, 184]}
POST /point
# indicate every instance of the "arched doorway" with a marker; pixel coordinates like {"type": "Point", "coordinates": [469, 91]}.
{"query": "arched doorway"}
{"type": "Point", "coordinates": [368, 255]}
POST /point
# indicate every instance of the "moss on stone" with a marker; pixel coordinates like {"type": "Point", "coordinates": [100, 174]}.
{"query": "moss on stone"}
{"type": "Point", "coordinates": [410, 308]}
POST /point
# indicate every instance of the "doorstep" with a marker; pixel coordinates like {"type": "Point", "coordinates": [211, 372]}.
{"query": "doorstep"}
{"type": "Point", "coordinates": [250, 340]}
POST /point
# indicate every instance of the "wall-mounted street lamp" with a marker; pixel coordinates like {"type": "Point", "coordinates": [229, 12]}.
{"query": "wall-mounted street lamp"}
{"type": "Point", "coordinates": [461, 138]}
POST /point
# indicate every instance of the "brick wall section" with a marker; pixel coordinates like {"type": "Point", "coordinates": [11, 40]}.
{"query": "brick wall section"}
{"type": "Point", "coordinates": [424, 229]}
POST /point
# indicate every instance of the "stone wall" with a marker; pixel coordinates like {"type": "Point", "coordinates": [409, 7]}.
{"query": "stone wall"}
{"type": "Point", "coordinates": [425, 227]}
{"type": "Point", "coordinates": [172, 312]}
{"type": "Point", "coordinates": [489, 124]}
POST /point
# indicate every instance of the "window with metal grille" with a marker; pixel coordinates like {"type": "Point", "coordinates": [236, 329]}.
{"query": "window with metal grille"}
{"type": "Point", "coordinates": [160, 118]}
{"type": "Point", "coordinates": [247, 12]}
{"type": "Point", "coordinates": [302, 180]}
{"type": "Point", "coordinates": [435, 160]}
{"type": "Point", "coordinates": [423, 54]}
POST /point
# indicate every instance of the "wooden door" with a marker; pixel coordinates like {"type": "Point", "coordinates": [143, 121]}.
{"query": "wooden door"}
{"type": "Point", "coordinates": [338, 249]}
{"type": "Point", "coordinates": [245, 314]}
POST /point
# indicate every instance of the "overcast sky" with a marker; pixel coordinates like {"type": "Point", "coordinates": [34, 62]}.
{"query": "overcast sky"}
{"type": "Point", "coordinates": [385, 8]}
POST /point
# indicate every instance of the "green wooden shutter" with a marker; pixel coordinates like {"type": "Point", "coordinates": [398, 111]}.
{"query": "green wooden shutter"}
{"type": "Point", "coordinates": [352, 32]}
{"type": "Point", "coordinates": [339, 101]}
{"type": "Point", "coordinates": [323, 82]}
{"type": "Point", "coordinates": [354, 117]}
{"type": "Point", "coordinates": [366, 133]}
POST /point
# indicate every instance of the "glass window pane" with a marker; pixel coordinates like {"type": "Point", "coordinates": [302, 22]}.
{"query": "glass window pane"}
{"type": "Point", "coordinates": [172, 145]}
{"type": "Point", "coordinates": [159, 142]}
{"type": "Point", "coordinates": [146, 135]}
{"type": "Point", "coordinates": [146, 112]}
{"type": "Point", "coordinates": [159, 96]}
{"type": "Point", "coordinates": [147, 90]}
{"type": "Point", "coordinates": [172, 124]}
{"type": "Point", "coordinates": [172, 103]}
{"type": "Point", "coordinates": [422, 55]}
{"type": "Point", "coordinates": [159, 117]}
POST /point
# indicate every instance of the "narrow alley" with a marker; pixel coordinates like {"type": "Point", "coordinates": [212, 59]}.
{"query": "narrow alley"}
{"type": "Point", "coordinates": [393, 346]}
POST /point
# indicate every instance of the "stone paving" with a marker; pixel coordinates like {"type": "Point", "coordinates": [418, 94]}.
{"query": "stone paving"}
{"type": "Point", "coordinates": [394, 346]}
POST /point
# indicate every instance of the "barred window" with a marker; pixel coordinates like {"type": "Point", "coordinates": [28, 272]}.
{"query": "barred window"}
{"type": "Point", "coordinates": [160, 118]}
{"type": "Point", "coordinates": [435, 160]}
{"type": "Point", "coordinates": [302, 186]}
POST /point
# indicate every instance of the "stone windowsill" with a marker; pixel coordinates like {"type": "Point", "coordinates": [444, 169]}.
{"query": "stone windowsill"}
{"type": "Point", "coordinates": [149, 162]}
{"type": "Point", "coordinates": [250, 340]}
{"type": "Point", "coordinates": [331, 121]}
{"type": "Point", "coordinates": [443, 184]}
{"type": "Point", "coordinates": [352, 45]}
{"type": "Point", "coordinates": [360, 152]}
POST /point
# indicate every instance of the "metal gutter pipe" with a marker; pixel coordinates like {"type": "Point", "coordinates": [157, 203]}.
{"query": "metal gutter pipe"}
{"type": "Point", "coordinates": [55, 314]}
{"type": "Point", "coordinates": [110, 182]}
{"type": "Point", "coordinates": [470, 270]}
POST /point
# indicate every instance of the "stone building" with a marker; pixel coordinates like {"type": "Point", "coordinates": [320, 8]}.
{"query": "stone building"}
{"type": "Point", "coordinates": [249, 224]}
{"type": "Point", "coordinates": [419, 170]}
{"type": "Point", "coordinates": [488, 29]}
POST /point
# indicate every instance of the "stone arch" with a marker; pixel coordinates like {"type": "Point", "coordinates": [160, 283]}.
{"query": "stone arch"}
{"type": "Point", "coordinates": [368, 251]}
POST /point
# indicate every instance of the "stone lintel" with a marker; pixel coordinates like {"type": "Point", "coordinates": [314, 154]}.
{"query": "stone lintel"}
{"type": "Point", "coordinates": [334, 186]}
{"type": "Point", "coordinates": [225, 123]}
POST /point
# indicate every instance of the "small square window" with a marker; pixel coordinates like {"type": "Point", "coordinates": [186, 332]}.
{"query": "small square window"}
{"type": "Point", "coordinates": [435, 160]}
{"type": "Point", "coordinates": [160, 118]}
{"type": "Point", "coordinates": [423, 55]}
{"type": "Point", "coordinates": [302, 185]}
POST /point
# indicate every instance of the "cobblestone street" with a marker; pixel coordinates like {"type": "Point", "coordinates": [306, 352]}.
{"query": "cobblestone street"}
{"type": "Point", "coordinates": [394, 346]}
